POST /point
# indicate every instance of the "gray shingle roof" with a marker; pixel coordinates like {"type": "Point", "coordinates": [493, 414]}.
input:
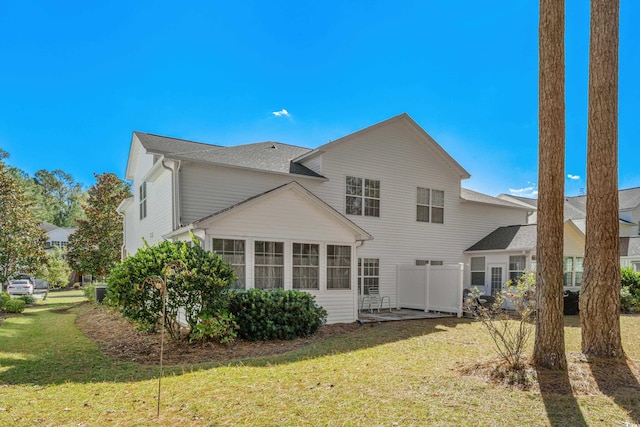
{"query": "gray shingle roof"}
{"type": "Point", "coordinates": [630, 246]}
{"type": "Point", "coordinates": [268, 156]}
{"type": "Point", "coordinates": [474, 196]}
{"type": "Point", "coordinates": [513, 237]}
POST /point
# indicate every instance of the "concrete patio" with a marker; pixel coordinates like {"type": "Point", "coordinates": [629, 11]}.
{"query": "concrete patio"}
{"type": "Point", "coordinates": [366, 316]}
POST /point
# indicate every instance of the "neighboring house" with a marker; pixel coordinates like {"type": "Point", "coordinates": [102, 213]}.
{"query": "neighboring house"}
{"type": "Point", "coordinates": [57, 236]}
{"type": "Point", "coordinates": [335, 221]}
{"type": "Point", "coordinates": [507, 252]}
{"type": "Point", "coordinates": [501, 255]}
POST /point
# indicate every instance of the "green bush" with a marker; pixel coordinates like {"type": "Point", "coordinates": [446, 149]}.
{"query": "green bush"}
{"type": "Point", "coordinates": [220, 327]}
{"type": "Point", "coordinates": [5, 297]}
{"type": "Point", "coordinates": [630, 279]}
{"type": "Point", "coordinates": [89, 292]}
{"type": "Point", "coordinates": [277, 314]}
{"type": "Point", "coordinates": [13, 305]}
{"type": "Point", "coordinates": [629, 303]}
{"type": "Point", "coordinates": [195, 281]}
{"type": "Point", "coordinates": [28, 299]}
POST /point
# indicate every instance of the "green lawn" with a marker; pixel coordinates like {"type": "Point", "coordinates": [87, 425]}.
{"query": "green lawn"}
{"type": "Point", "coordinates": [401, 373]}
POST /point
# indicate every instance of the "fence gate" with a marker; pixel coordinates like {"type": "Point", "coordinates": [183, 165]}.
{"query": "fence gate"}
{"type": "Point", "coordinates": [431, 288]}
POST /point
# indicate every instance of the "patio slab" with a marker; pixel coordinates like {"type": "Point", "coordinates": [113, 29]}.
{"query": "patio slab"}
{"type": "Point", "coordinates": [366, 316]}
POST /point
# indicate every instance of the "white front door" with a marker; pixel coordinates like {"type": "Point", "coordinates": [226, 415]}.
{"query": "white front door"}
{"type": "Point", "coordinates": [497, 274]}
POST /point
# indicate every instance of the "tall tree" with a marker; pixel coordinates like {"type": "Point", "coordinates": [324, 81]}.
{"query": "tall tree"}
{"type": "Point", "coordinates": [21, 238]}
{"type": "Point", "coordinates": [61, 197]}
{"type": "Point", "coordinates": [549, 350]}
{"type": "Point", "coordinates": [95, 247]}
{"type": "Point", "coordinates": [600, 296]}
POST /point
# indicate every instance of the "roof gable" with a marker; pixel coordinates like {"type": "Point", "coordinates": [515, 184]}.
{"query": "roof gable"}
{"type": "Point", "coordinates": [410, 125]}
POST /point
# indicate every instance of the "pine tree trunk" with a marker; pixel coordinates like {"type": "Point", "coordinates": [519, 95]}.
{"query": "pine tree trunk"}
{"type": "Point", "coordinates": [600, 297]}
{"type": "Point", "coordinates": [549, 348]}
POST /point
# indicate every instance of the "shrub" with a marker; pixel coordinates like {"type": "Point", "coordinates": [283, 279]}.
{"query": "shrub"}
{"type": "Point", "coordinates": [277, 314]}
{"type": "Point", "coordinates": [193, 281]}
{"type": "Point", "coordinates": [5, 297]}
{"type": "Point", "coordinates": [630, 279]}
{"type": "Point", "coordinates": [629, 303]}
{"type": "Point", "coordinates": [220, 327]}
{"type": "Point", "coordinates": [509, 333]}
{"type": "Point", "coordinates": [28, 299]}
{"type": "Point", "coordinates": [13, 305]}
{"type": "Point", "coordinates": [89, 292]}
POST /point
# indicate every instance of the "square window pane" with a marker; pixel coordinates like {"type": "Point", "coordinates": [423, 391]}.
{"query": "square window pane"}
{"type": "Point", "coordinates": [422, 213]}
{"type": "Point", "coordinates": [437, 215]}
{"type": "Point", "coordinates": [437, 198]}
{"type": "Point", "coordinates": [423, 196]}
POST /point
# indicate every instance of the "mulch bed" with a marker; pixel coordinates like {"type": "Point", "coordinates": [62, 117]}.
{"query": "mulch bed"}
{"type": "Point", "coordinates": [118, 338]}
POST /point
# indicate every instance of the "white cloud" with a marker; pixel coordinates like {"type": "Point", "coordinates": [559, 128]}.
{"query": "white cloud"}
{"type": "Point", "coordinates": [524, 192]}
{"type": "Point", "coordinates": [573, 177]}
{"type": "Point", "coordinates": [282, 112]}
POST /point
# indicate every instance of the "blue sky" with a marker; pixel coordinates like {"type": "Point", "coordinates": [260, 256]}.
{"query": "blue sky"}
{"type": "Point", "coordinates": [77, 77]}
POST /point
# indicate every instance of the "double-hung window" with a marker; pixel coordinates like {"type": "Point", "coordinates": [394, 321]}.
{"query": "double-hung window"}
{"type": "Point", "coordinates": [636, 266]}
{"type": "Point", "coordinates": [232, 252]}
{"type": "Point", "coordinates": [572, 271]}
{"type": "Point", "coordinates": [368, 275]}
{"type": "Point", "coordinates": [517, 265]}
{"type": "Point", "coordinates": [269, 265]}
{"type": "Point", "coordinates": [362, 196]}
{"type": "Point", "coordinates": [430, 205]}
{"type": "Point", "coordinates": [306, 266]}
{"type": "Point", "coordinates": [477, 271]}
{"type": "Point", "coordinates": [338, 267]}
{"type": "Point", "coordinates": [142, 194]}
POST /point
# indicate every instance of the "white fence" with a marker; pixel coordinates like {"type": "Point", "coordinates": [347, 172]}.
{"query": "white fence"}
{"type": "Point", "coordinates": [431, 288]}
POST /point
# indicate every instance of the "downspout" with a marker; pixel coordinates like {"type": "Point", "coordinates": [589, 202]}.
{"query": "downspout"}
{"type": "Point", "coordinates": [173, 195]}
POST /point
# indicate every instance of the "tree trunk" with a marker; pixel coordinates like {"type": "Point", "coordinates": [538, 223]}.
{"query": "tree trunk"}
{"type": "Point", "coordinates": [600, 297]}
{"type": "Point", "coordinates": [549, 351]}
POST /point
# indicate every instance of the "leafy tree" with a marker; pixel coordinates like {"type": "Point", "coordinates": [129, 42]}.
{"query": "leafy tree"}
{"type": "Point", "coordinates": [549, 350]}
{"type": "Point", "coordinates": [57, 270]}
{"type": "Point", "coordinates": [21, 238]}
{"type": "Point", "coordinates": [197, 284]}
{"type": "Point", "coordinates": [61, 197]}
{"type": "Point", "coordinates": [95, 247]}
{"type": "Point", "coordinates": [600, 296]}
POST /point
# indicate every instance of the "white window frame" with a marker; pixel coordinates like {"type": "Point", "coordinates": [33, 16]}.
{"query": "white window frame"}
{"type": "Point", "coordinates": [333, 266]}
{"type": "Point", "coordinates": [231, 256]}
{"type": "Point", "coordinates": [278, 279]}
{"type": "Point", "coordinates": [433, 262]}
{"type": "Point", "coordinates": [142, 195]}
{"type": "Point", "coordinates": [516, 273]}
{"type": "Point", "coordinates": [428, 209]}
{"type": "Point", "coordinates": [635, 264]}
{"type": "Point", "coordinates": [479, 271]}
{"type": "Point", "coordinates": [362, 196]}
{"type": "Point", "coordinates": [305, 262]}
{"type": "Point", "coordinates": [576, 268]}
{"type": "Point", "coordinates": [368, 275]}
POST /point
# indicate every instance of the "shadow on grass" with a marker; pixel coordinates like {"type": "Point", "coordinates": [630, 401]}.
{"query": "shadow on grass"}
{"type": "Point", "coordinates": [616, 379]}
{"type": "Point", "coordinates": [559, 401]}
{"type": "Point", "coordinates": [51, 350]}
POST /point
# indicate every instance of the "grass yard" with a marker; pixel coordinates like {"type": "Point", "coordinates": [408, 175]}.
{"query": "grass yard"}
{"type": "Point", "coordinates": [391, 374]}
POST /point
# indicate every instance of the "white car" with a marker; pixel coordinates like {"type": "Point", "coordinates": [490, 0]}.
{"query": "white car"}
{"type": "Point", "coordinates": [20, 287]}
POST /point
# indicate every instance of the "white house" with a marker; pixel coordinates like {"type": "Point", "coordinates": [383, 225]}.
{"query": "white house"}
{"type": "Point", "coordinates": [57, 236]}
{"type": "Point", "coordinates": [336, 221]}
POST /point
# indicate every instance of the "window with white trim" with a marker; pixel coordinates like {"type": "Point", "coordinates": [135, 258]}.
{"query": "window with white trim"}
{"type": "Point", "coordinates": [338, 267]}
{"type": "Point", "coordinates": [572, 271]}
{"type": "Point", "coordinates": [422, 262]}
{"type": "Point", "coordinates": [368, 275]}
{"type": "Point", "coordinates": [430, 205]}
{"type": "Point", "coordinates": [306, 266]}
{"type": "Point", "coordinates": [636, 266]}
{"type": "Point", "coordinates": [362, 196]}
{"type": "Point", "coordinates": [233, 252]}
{"type": "Point", "coordinates": [477, 271]}
{"type": "Point", "coordinates": [269, 265]}
{"type": "Point", "coordinates": [517, 265]}
{"type": "Point", "coordinates": [142, 194]}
